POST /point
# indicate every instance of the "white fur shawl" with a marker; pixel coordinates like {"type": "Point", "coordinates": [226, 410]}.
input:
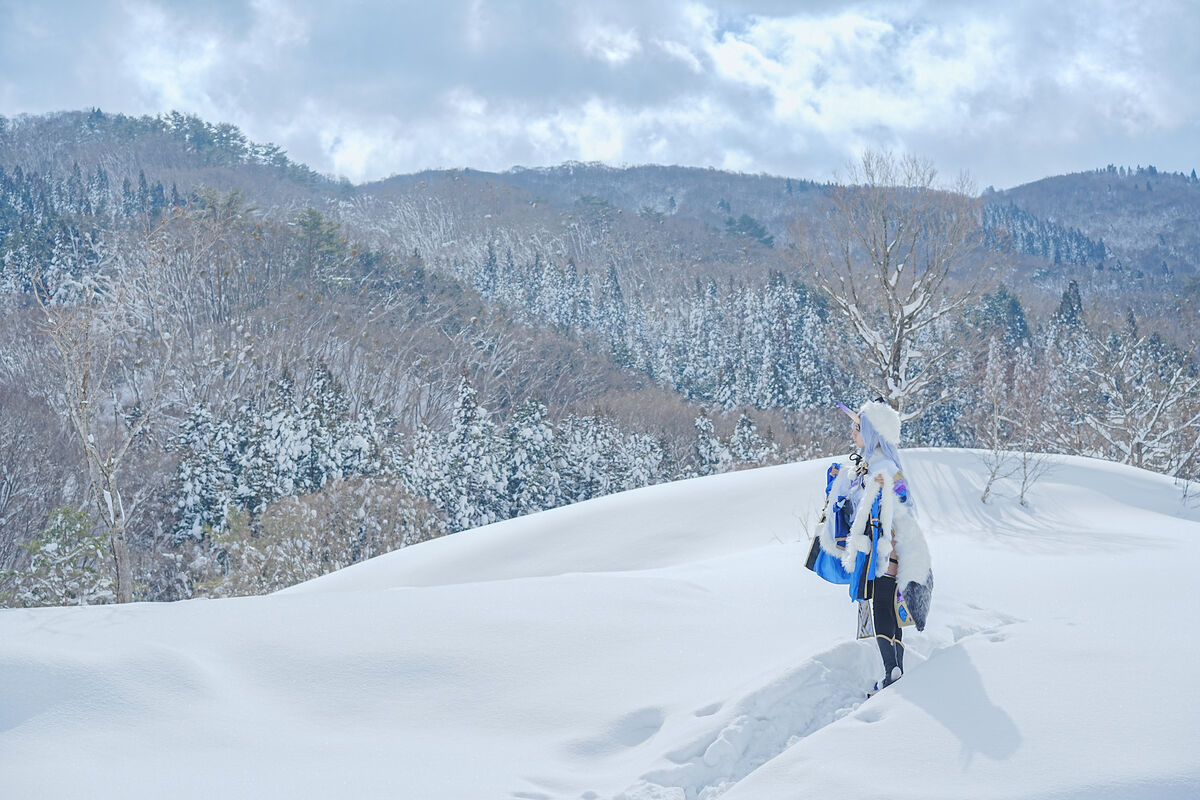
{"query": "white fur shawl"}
{"type": "Point", "coordinates": [911, 548]}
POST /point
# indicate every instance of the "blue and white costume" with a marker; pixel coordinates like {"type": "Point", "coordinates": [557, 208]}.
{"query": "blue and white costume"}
{"type": "Point", "coordinates": [870, 518]}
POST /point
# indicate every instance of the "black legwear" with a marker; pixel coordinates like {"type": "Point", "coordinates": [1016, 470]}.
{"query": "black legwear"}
{"type": "Point", "coordinates": [883, 603]}
{"type": "Point", "coordinates": [888, 651]}
{"type": "Point", "coordinates": [888, 632]}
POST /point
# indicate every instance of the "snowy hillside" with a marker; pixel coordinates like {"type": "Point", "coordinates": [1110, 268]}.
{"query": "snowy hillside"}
{"type": "Point", "coordinates": [662, 643]}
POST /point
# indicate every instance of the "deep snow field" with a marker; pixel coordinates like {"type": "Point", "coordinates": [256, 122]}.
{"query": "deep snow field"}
{"type": "Point", "coordinates": [661, 643]}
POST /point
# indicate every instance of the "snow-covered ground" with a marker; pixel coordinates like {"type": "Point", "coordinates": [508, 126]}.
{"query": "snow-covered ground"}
{"type": "Point", "coordinates": [662, 643]}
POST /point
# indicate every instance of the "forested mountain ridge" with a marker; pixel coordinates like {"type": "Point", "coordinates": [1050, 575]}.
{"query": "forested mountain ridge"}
{"type": "Point", "coordinates": [1137, 224]}
{"type": "Point", "coordinates": [1136, 250]}
{"type": "Point", "coordinates": [293, 355]}
{"type": "Point", "coordinates": [165, 146]}
{"type": "Point", "coordinates": [1149, 219]}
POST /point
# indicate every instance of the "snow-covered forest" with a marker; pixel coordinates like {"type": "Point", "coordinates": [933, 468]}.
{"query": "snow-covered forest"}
{"type": "Point", "coordinates": [224, 374]}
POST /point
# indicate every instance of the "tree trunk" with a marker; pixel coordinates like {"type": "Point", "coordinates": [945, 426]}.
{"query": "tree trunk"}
{"type": "Point", "coordinates": [120, 550]}
{"type": "Point", "coordinates": [112, 512]}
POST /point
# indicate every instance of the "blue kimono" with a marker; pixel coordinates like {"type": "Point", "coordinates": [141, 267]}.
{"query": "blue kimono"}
{"type": "Point", "coordinates": [829, 566]}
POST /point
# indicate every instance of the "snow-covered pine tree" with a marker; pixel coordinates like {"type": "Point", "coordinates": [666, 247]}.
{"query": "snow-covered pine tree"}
{"type": "Point", "coordinates": [326, 413]}
{"type": "Point", "coordinates": [205, 476]}
{"type": "Point", "coordinates": [343, 444]}
{"type": "Point", "coordinates": [285, 444]}
{"type": "Point", "coordinates": [643, 461]}
{"type": "Point", "coordinates": [533, 479]}
{"type": "Point", "coordinates": [611, 316]}
{"type": "Point", "coordinates": [712, 455]}
{"type": "Point", "coordinates": [475, 469]}
{"type": "Point", "coordinates": [486, 279]}
{"type": "Point", "coordinates": [262, 453]}
{"type": "Point", "coordinates": [587, 447]}
{"type": "Point", "coordinates": [426, 468]}
{"type": "Point", "coordinates": [746, 446]}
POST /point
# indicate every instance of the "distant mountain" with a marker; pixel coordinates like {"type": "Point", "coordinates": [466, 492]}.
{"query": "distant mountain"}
{"type": "Point", "coordinates": [172, 148]}
{"type": "Point", "coordinates": [1149, 221]}
{"type": "Point", "coordinates": [1137, 222]}
{"type": "Point", "coordinates": [1125, 245]}
{"type": "Point", "coordinates": [707, 195]}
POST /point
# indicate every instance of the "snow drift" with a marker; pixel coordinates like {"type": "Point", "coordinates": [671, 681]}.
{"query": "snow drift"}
{"type": "Point", "coordinates": [662, 643]}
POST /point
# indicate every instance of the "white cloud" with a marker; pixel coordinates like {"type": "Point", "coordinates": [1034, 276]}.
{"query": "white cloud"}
{"type": "Point", "coordinates": [355, 151]}
{"type": "Point", "coordinates": [610, 44]}
{"type": "Point", "coordinates": [276, 27]}
{"type": "Point", "coordinates": [1012, 91]}
{"type": "Point", "coordinates": [170, 64]}
{"type": "Point", "coordinates": [681, 52]}
{"type": "Point", "coordinates": [464, 102]}
{"type": "Point", "coordinates": [847, 73]}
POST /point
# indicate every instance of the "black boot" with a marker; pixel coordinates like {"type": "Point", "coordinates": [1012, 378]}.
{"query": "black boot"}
{"type": "Point", "coordinates": [887, 649]}
{"type": "Point", "coordinates": [895, 667]}
{"type": "Point", "coordinates": [887, 629]}
{"type": "Point", "coordinates": [892, 677]}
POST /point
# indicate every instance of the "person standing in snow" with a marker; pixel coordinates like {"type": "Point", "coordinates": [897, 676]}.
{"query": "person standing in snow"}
{"type": "Point", "coordinates": [869, 537]}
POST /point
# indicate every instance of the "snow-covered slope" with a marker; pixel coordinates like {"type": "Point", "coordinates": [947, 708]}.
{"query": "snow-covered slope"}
{"type": "Point", "coordinates": [663, 643]}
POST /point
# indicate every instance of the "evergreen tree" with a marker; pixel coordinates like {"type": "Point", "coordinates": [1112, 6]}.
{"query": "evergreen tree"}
{"type": "Point", "coordinates": [129, 205]}
{"type": "Point", "coordinates": [158, 200]}
{"type": "Point", "coordinates": [98, 191]}
{"type": "Point", "coordinates": [643, 461]}
{"type": "Point", "coordinates": [486, 281]}
{"type": "Point", "coordinates": [1070, 308]}
{"type": "Point", "coordinates": [285, 446]}
{"type": "Point", "coordinates": [746, 446]}
{"type": "Point", "coordinates": [612, 316]}
{"type": "Point", "coordinates": [747, 227]}
{"type": "Point", "coordinates": [712, 455]}
{"type": "Point", "coordinates": [205, 476]}
{"type": "Point", "coordinates": [475, 472]}
{"type": "Point", "coordinates": [587, 450]}
{"type": "Point", "coordinates": [262, 453]}
{"type": "Point", "coordinates": [322, 245]}
{"type": "Point", "coordinates": [68, 564]}
{"type": "Point", "coordinates": [1001, 313]}
{"type": "Point", "coordinates": [326, 413]}
{"type": "Point", "coordinates": [533, 478]}
{"type": "Point", "coordinates": [143, 193]}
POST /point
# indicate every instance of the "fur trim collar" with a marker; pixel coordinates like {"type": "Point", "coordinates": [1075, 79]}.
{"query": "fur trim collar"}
{"type": "Point", "coordinates": [895, 520]}
{"type": "Point", "coordinates": [859, 540]}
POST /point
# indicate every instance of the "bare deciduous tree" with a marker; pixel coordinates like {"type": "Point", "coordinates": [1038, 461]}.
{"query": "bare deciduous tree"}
{"type": "Point", "coordinates": [1030, 418]}
{"type": "Point", "coordinates": [899, 254]}
{"type": "Point", "coordinates": [992, 414]}
{"type": "Point", "coordinates": [114, 345]}
{"type": "Point", "coordinates": [35, 469]}
{"type": "Point", "coordinates": [1145, 402]}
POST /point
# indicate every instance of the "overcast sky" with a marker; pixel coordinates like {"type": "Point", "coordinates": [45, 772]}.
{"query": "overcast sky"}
{"type": "Point", "coordinates": [1010, 91]}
